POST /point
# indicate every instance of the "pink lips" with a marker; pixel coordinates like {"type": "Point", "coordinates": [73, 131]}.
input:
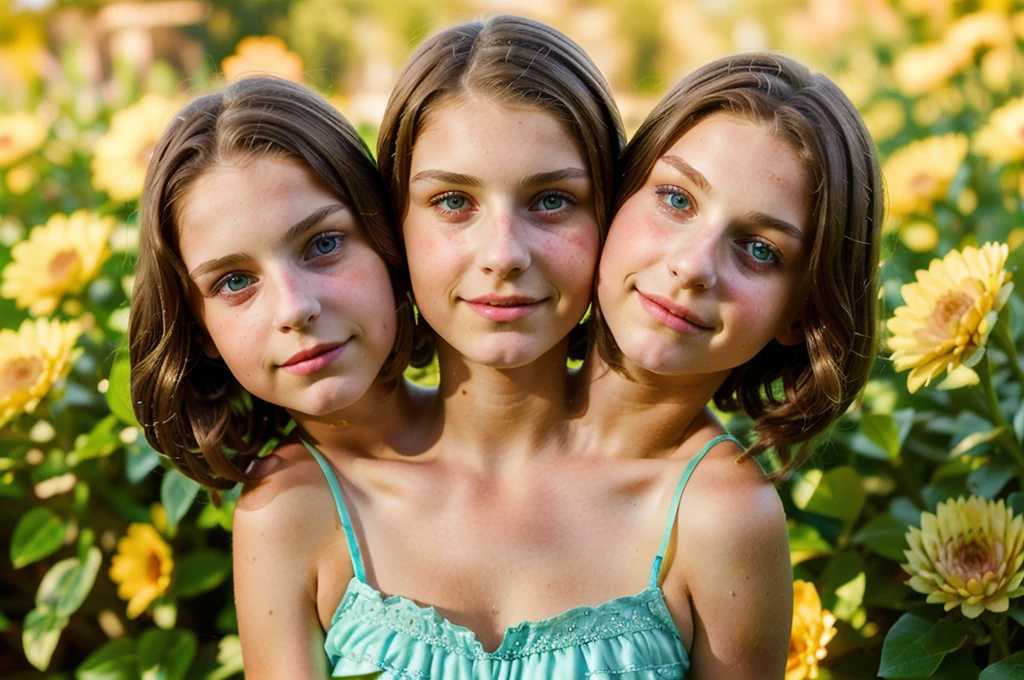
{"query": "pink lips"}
{"type": "Point", "coordinates": [676, 317]}
{"type": "Point", "coordinates": [503, 307]}
{"type": "Point", "coordinates": [312, 360]}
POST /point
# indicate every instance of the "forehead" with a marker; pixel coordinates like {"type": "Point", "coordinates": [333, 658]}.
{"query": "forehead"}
{"type": "Point", "coordinates": [471, 130]}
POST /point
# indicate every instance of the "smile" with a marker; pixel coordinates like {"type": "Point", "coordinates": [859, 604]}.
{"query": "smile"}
{"type": "Point", "coordinates": [504, 307]}
{"type": "Point", "coordinates": [674, 316]}
{"type": "Point", "coordinates": [312, 360]}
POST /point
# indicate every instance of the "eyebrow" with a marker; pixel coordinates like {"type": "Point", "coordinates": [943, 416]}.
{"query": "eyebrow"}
{"type": "Point", "coordinates": [443, 177]}
{"type": "Point", "coordinates": [291, 233]}
{"type": "Point", "coordinates": [766, 220]}
{"type": "Point", "coordinates": [688, 170]}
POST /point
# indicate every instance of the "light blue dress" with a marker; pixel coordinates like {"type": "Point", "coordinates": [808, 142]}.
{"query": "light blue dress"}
{"type": "Point", "coordinates": [628, 638]}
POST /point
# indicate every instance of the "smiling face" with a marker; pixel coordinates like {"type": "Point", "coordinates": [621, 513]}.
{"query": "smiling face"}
{"type": "Point", "coordinates": [706, 263]}
{"type": "Point", "coordinates": [292, 296]}
{"type": "Point", "coordinates": [501, 231]}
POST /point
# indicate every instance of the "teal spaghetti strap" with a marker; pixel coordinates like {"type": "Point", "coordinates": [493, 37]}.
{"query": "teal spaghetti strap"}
{"type": "Point", "coordinates": [346, 522]}
{"type": "Point", "coordinates": [674, 508]}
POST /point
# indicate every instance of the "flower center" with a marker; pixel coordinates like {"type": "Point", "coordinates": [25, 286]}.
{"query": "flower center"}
{"type": "Point", "coordinates": [945, 317]}
{"type": "Point", "coordinates": [19, 373]}
{"type": "Point", "coordinates": [61, 264]}
{"type": "Point", "coordinates": [923, 184]}
{"type": "Point", "coordinates": [6, 140]}
{"type": "Point", "coordinates": [153, 565]}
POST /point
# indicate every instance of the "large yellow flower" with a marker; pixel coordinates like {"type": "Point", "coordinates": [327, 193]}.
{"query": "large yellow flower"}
{"type": "Point", "coordinates": [260, 55]}
{"type": "Point", "coordinates": [122, 155]}
{"type": "Point", "coordinates": [55, 260]}
{"type": "Point", "coordinates": [32, 360]}
{"type": "Point", "coordinates": [949, 312]}
{"type": "Point", "coordinates": [980, 29]}
{"type": "Point", "coordinates": [921, 172]}
{"type": "Point", "coordinates": [924, 67]}
{"type": "Point", "coordinates": [20, 134]}
{"type": "Point", "coordinates": [1002, 137]}
{"type": "Point", "coordinates": [142, 567]}
{"type": "Point", "coordinates": [813, 628]}
{"type": "Point", "coordinates": [968, 554]}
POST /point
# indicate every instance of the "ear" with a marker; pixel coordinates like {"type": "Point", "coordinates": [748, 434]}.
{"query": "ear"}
{"type": "Point", "coordinates": [793, 334]}
{"type": "Point", "coordinates": [209, 349]}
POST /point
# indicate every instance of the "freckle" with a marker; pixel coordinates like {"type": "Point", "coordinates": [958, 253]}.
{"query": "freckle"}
{"type": "Point", "coordinates": [464, 392]}
{"type": "Point", "coordinates": [270, 612]}
{"type": "Point", "coordinates": [732, 594]}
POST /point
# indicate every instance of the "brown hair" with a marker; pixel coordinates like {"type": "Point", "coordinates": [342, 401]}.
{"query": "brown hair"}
{"type": "Point", "coordinates": [191, 408]}
{"type": "Point", "coordinates": [820, 377]}
{"type": "Point", "coordinates": [511, 60]}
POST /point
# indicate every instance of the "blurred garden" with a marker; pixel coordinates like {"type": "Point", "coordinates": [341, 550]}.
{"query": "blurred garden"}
{"type": "Point", "coordinates": [906, 529]}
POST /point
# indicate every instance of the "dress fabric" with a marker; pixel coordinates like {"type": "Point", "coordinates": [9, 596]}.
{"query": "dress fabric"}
{"type": "Point", "coordinates": [627, 638]}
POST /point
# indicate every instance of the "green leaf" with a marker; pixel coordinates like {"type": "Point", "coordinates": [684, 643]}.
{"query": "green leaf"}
{"type": "Point", "coordinates": [101, 441]}
{"type": "Point", "coordinates": [1018, 423]}
{"type": "Point", "coordinates": [40, 634]}
{"type": "Point", "coordinates": [39, 533]}
{"type": "Point", "coordinates": [166, 654]}
{"type": "Point", "coordinates": [1010, 668]}
{"type": "Point", "coordinates": [1016, 613]}
{"type": "Point", "coordinates": [885, 535]}
{"type": "Point", "coordinates": [989, 479]}
{"type": "Point", "coordinates": [66, 585]}
{"type": "Point", "coordinates": [115, 660]}
{"type": "Point", "coordinates": [845, 582]}
{"type": "Point", "coordinates": [805, 542]}
{"type": "Point", "coordinates": [139, 460]}
{"type": "Point", "coordinates": [200, 572]}
{"type": "Point", "coordinates": [177, 492]}
{"type": "Point", "coordinates": [914, 647]}
{"type": "Point", "coordinates": [976, 439]}
{"type": "Point", "coordinates": [118, 395]}
{"type": "Point", "coordinates": [888, 432]}
{"type": "Point", "coordinates": [837, 493]}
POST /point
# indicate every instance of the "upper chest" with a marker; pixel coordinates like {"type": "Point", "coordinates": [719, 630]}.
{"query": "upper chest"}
{"type": "Point", "coordinates": [489, 554]}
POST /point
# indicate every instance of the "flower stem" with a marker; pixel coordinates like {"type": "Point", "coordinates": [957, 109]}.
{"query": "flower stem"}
{"type": "Point", "coordinates": [1005, 339]}
{"type": "Point", "coordinates": [1000, 642]}
{"type": "Point", "coordinates": [1006, 438]}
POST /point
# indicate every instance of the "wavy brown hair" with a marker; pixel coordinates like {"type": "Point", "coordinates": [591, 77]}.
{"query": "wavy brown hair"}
{"type": "Point", "coordinates": [192, 408]}
{"type": "Point", "coordinates": [509, 60]}
{"type": "Point", "coordinates": [791, 393]}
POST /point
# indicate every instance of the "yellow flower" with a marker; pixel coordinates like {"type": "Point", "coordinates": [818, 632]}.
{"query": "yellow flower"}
{"type": "Point", "coordinates": [922, 68]}
{"type": "Point", "coordinates": [32, 360]}
{"type": "Point", "coordinates": [122, 154]}
{"type": "Point", "coordinates": [1002, 137]}
{"type": "Point", "coordinates": [949, 312]}
{"type": "Point", "coordinates": [968, 555]}
{"type": "Point", "coordinates": [884, 119]}
{"type": "Point", "coordinates": [813, 628]}
{"type": "Point", "coordinates": [921, 172]}
{"type": "Point", "coordinates": [142, 567]}
{"type": "Point", "coordinates": [57, 259]}
{"type": "Point", "coordinates": [20, 134]}
{"type": "Point", "coordinates": [980, 29]}
{"type": "Point", "coordinates": [260, 55]}
{"type": "Point", "coordinates": [920, 237]}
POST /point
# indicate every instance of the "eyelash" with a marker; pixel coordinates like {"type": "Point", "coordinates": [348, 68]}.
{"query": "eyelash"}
{"type": "Point", "coordinates": [220, 287]}
{"type": "Point", "coordinates": [665, 191]}
{"type": "Point", "coordinates": [570, 203]}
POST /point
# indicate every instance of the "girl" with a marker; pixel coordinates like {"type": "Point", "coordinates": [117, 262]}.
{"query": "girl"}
{"type": "Point", "coordinates": [267, 264]}
{"type": "Point", "coordinates": [740, 266]}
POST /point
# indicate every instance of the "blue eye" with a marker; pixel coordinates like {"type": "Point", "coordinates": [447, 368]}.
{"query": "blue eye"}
{"type": "Point", "coordinates": [237, 282]}
{"type": "Point", "coordinates": [762, 252]}
{"type": "Point", "coordinates": [326, 244]}
{"type": "Point", "coordinates": [679, 201]}
{"type": "Point", "coordinates": [453, 202]}
{"type": "Point", "coordinates": [553, 202]}
{"type": "Point", "coordinates": [675, 199]}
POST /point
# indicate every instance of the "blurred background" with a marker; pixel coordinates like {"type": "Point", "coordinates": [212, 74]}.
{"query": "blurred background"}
{"type": "Point", "coordinates": [115, 566]}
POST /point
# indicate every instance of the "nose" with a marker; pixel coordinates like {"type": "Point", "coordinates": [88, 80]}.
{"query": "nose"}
{"type": "Point", "coordinates": [692, 264]}
{"type": "Point", "coordinates": [502, 249]}
{"type": "Point", "coordinates": [297, 305]}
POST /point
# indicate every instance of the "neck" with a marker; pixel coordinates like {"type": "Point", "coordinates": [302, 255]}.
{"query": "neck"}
{"type": "Point", "coordinates": [497, 417]}
{"type": "Point", "coordinates": [637, 413]}
{"type": "Point", "coordinates": [382, 423]}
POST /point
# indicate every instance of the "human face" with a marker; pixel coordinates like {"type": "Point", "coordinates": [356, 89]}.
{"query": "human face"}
{"type": "Point", "coordinates": [706, 263]}
{"type": "Point", "coordinates": [291, 295]}
{"type": "Point", "coordinates": [501, 230]}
